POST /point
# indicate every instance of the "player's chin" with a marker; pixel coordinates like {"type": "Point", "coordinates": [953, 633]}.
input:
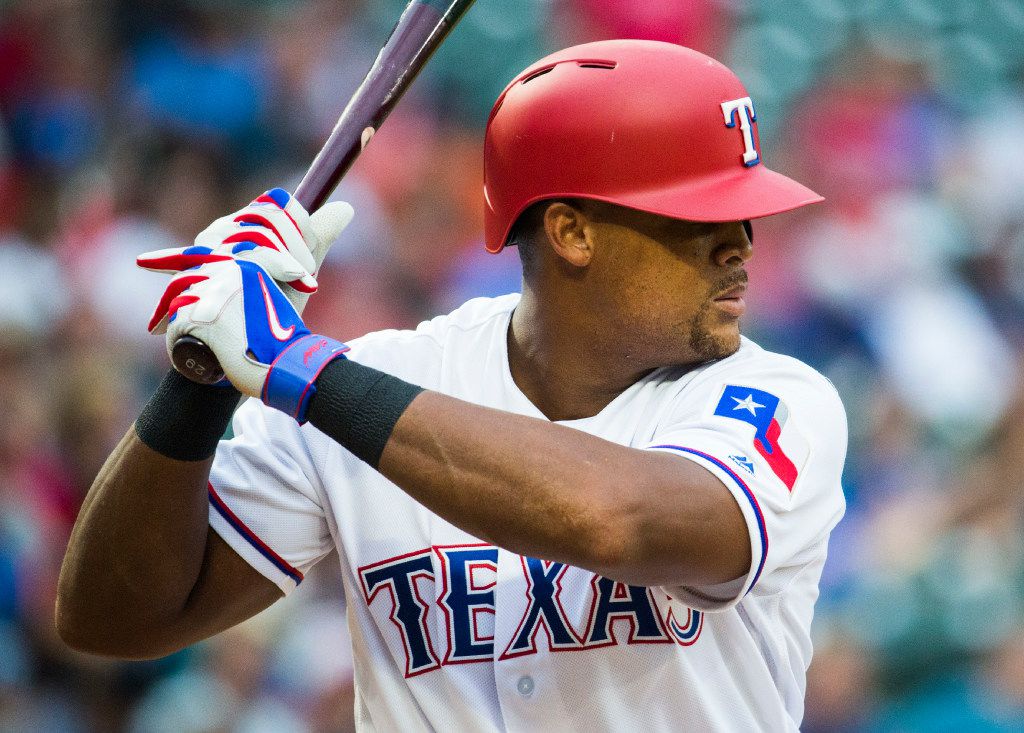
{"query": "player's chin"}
{"type": "Point", "coordinates": [716, 342]}
{"type": "Point", "coordinates": [728, 341]}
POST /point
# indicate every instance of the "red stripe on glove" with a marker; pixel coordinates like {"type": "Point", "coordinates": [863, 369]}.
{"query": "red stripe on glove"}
{"type": "Point", "coordinates": [259, 221]}
{"type": "Point", "coordinates": [174, 289]}
{"type": "Point", "coordinates": [257, 238]}
{"type": "Point", "coordinates": [265, 199]}
{"type": "Point", "coordinates": [180, 302]}
{"type": "Point", "coordinates": [179, 262]}
{"type": "Point", "coordinates": [302, 287]}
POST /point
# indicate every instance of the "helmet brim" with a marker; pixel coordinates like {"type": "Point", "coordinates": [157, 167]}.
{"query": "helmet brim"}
{"type": "Point", "coordinates": [747, 194]}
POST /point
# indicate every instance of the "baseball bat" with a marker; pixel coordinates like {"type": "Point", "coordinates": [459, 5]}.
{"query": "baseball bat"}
{"type": "Point", "coordinates": [422, 27]}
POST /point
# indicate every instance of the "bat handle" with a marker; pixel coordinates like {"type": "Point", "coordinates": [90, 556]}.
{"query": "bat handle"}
{"type": "Point", "coordinates": [194, 359]}
{"type": "Point", "coordinates": [420, 30]}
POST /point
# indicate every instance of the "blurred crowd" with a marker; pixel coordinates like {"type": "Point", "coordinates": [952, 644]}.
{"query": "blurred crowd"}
{"type": "Point", "coordinates": [128, 126]}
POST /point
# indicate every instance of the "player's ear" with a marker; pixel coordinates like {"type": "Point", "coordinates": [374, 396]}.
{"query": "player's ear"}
{"type": "Point", "coordinates": [567, 233]}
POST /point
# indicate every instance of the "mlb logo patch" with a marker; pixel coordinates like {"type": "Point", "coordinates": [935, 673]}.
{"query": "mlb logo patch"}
{"type": "Point", "coordinates": [781, 445]}
{"type": "Point", "coordinates": [743, 462]}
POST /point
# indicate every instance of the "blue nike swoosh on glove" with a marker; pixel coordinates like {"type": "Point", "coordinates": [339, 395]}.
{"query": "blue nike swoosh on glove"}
{"type": "Point", "coordinates": [271, 321]}
{"type": "Point", "coordinates": [276, 329]}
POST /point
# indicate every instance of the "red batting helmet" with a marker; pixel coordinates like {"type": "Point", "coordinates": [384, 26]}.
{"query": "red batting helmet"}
{"type": "Point", "coordinates": [644, 124]}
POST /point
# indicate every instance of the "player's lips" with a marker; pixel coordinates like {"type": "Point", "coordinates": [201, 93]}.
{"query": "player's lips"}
{"type": "Point", "coordinates": [732, 302]}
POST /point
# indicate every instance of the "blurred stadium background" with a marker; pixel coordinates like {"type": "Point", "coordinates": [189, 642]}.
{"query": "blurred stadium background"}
{"type": "Point", "coordinates": [127, 126]}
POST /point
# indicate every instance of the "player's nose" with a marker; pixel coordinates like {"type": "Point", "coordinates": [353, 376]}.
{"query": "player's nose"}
{"type": "Point", "coordinates": [735, 248]}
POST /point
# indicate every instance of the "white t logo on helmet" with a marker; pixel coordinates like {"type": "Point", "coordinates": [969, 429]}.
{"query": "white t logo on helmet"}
{"type": "Point", "coordinates": [742, 110]}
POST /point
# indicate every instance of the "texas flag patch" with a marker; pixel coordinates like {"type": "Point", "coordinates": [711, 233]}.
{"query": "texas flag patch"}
{"type": "Point", "coordinates": [783, 448]}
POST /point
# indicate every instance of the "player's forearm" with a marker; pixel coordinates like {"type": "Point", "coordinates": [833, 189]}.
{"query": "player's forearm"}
{"type": "Point", "coordinates": [535, 487]}
{"type": "Point", "coordinates": [138, 545]}
{"type": "Point", "coordinates": [527, 485]}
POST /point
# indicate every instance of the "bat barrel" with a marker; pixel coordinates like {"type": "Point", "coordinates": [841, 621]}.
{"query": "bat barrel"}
{"type": "Point", "coordinates": [421, 29]}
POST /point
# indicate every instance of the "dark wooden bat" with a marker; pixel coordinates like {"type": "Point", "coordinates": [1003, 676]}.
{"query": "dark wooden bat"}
{"type": "Point", "coordinates": [422, 28]}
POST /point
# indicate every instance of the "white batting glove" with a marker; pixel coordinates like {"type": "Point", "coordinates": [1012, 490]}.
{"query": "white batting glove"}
{"type": "Point", "coordinates": [237, 309]}
{"type": "Point", "coordinates": [274, 232]}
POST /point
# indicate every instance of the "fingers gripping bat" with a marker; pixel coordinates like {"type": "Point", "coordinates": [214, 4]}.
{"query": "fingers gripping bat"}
{"type": "Point", "coordinates": [422, 27]}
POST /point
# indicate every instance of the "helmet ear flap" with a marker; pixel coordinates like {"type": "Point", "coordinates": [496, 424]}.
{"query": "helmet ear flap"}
{"type": "Point", "coordinates": [748, 227]}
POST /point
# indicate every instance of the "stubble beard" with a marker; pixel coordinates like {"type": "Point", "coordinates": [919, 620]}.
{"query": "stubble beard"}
{"type": "Point", "coordinates": [704, 343]}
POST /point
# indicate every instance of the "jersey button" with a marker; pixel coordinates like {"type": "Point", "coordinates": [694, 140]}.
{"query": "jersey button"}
{"type": "Point", "coordinates": [525, 686]}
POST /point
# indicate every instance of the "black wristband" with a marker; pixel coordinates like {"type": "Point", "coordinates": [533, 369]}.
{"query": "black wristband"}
{"type": "Point", "coordinates": [184, 420]}
{"type": "Point", "coordinates": [358, 407]}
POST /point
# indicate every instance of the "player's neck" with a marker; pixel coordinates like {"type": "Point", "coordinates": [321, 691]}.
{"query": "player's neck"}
{"type": "Point", "coordinates": [559, 366]}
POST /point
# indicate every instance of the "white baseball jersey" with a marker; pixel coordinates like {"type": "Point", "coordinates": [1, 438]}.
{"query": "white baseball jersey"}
{"type": "Point", "coordinates": [451, 633]}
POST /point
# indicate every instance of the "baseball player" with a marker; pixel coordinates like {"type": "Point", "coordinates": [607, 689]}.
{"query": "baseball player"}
{"type": "Point", "coordinates": [594, 506]}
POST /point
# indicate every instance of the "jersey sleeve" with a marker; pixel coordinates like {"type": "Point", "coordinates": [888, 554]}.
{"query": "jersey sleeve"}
{"type": "Point", "coordinates": [775, 436]}
{"type": "Point", "coordinates": [265, 498]}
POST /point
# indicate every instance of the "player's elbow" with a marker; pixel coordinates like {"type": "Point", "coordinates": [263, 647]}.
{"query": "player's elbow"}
{"type": "Point", "coordinates": [607, 553]}
{"type": "Point", "coordinates": [619, 554]}
{"type": "Point", "coordinates": [78, 635]}
{"type": "Point", "coordinates": [103, 643]}
{"type": "Point", "coordinates": [620, 543]}
{"type": "Point", "coordinates": [104, 636]}
{"type": "Point", "coordinates": [603, 541]}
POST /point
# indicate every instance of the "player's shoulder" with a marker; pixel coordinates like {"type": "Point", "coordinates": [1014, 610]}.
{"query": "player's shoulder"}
{"type": "Point", "coordinates": [469, 316]}
{"type": "Point", "coordinates": [473, 315]}
{"type": "Point", "coordinates": [760, 371]}
{"type": "Point", "coordinates": [752, 361]}
{"type": "Point", "coordinates": [471, 323]}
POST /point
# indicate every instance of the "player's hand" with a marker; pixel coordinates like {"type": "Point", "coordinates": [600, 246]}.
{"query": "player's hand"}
{"type": "Point", "coordinates": [237, 309]}
{"type": "Point", "coordinates": [274, 232]}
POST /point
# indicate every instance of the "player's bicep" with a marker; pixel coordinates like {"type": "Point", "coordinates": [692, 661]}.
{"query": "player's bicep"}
{"type": "Point", "coordinates": [736, 532]}
{"type": "Point", "coordinates": [780, 457]}
{"type": "Point", "coordinates": [694, 532]}
{"type": "Point", "coordinates": [264, 497]}
{"type": "Point", "coordinates": [228, 591]}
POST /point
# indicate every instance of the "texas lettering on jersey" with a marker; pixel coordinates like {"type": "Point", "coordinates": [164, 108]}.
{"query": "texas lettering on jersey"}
{"type": "Point", "coordinates": [462, 589]}
{"type": "Point", "coordinates": [432, 610]}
